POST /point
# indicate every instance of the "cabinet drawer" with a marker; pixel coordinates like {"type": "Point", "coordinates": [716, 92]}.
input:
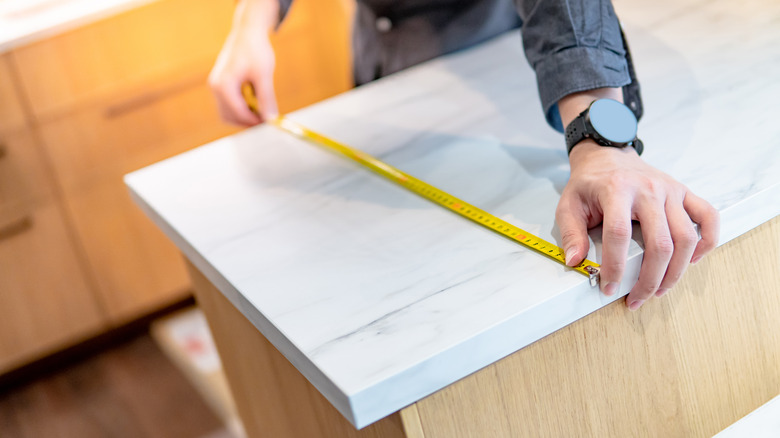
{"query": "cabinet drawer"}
{"type": "Point", "coordinates": [102, 144]}
{"type": "Point", "coordinates": [24, 178]}
{"type": "Point", "coordinates": [46, 301]}
{"type": "Point", "coordinates": [137, 269]}
{"type": "Point", "coordinates": [11, 111]}
{"type": "Point", "coordinates": [161, 39]}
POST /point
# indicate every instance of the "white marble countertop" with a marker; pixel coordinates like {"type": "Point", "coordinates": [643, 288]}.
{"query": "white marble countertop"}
{"type": "Point", "coordinates": [26, 21]}
{"type": "Point", "coordinates": [380, 298]}
{"type": "Point", "coordinates": [764, 422]}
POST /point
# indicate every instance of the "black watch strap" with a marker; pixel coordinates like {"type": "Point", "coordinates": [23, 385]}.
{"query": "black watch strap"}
{"type": "Point", "coordinates": [575, 132]}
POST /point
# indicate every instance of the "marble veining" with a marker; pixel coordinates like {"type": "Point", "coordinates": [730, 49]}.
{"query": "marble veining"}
{"type": "Point", "coordinates": [380, 298]}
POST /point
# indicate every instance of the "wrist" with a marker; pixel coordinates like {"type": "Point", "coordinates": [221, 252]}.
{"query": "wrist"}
{"type": "Point", "coordinates": [599, 116]}
{"type": "Point", "coordinates": [256, 16]}
{"type": "Point", "coordinates": [588, 152]}
{"type": "Point", "coordinates": [571, 105]}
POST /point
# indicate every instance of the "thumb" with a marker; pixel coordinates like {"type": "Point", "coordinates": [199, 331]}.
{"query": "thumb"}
{"type": "Point", "coordinates": [267, 95]}
{"type": "Point", "coordinates": [574, 232]}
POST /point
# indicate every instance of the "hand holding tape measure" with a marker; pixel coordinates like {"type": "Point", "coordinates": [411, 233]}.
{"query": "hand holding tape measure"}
{"type": "Point", "coordinates": [427, 191]}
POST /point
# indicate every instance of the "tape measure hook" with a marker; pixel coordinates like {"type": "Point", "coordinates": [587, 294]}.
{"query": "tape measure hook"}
{"type": "Point", "coordinates": [593, 275]}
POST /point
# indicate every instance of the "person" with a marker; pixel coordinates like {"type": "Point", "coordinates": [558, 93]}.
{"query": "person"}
{"type": "Point", "coordinates": [578, 52]}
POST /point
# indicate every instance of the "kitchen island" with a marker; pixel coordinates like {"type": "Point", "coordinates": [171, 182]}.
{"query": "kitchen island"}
{"type": "Point", "coordinates": [332, 291]}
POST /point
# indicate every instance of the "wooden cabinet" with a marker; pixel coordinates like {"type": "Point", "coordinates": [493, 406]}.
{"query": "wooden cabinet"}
{"type": "Point", "coordinates": [45, 297]}
{"type": "Point", "coordinates": [11, 110]}
{"type": "Point", "coordinates": [136, 268]}
{"type": "Point", "coordinates": [81, 109]}
{"type": "Point", "coordinates": [24, 177]}
{"type": "Point", "coordinates": [109, 98]}
{"type": "Point", "coordinates": [127, 52]}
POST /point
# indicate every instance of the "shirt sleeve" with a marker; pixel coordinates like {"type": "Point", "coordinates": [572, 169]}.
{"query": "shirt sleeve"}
{"type": "Point", "coordinates": [284, 6]}
{"type": "Point", "coordinates": [575, 45]}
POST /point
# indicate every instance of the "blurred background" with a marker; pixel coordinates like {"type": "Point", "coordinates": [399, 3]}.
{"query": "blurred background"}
{"type": "Point", "coordinates": [98, 333]}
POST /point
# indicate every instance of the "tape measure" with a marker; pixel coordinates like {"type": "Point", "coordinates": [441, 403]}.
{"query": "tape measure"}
{"type": "Point", "coordinates": [429, 192]}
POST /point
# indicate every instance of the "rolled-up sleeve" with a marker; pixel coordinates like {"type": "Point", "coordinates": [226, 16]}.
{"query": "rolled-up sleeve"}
{"type": "Point", "coordinates": [572, 45]}
{"type": "Point", "coordinates": [284, 7]}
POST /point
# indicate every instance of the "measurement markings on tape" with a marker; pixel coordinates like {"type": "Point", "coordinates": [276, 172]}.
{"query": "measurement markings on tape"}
{"type": "Point", "coordinates": [427, 191]}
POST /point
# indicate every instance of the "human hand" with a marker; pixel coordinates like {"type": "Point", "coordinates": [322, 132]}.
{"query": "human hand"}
{"type": "Point", "coordinates": [247, 56]}
{"type": "Point", "coordinates": [615, 186]}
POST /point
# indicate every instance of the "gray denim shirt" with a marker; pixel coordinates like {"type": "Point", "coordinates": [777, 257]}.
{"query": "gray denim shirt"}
{"type": "Point", "coordinates": [572, 45]}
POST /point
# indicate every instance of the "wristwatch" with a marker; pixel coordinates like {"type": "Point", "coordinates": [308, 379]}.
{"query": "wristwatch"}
{"type": "Point", "coordinates": [606, 121]}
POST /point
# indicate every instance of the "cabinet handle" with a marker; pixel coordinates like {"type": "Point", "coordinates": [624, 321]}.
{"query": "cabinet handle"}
{"type": "Point", "coordinates": [15, 227]}
{"type": "Point", "coordinates": [150, 98]}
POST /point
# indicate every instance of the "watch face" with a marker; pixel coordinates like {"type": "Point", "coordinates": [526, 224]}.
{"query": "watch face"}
{"type": "Point", "coordinates": [613, 120]}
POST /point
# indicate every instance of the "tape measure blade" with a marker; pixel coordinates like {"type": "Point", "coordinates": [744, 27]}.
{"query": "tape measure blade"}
{"type": "Point", "coordinates": [442, 198]}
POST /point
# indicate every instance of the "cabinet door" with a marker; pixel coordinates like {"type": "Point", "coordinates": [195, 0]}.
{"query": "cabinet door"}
{"type": "Point", "coordinates": [170, 38]}
{"type": "Point", "coordinates": [85, 66]}
{"type": "Point", "coordinates": [45, 301]}
{"type": "Point", "coordinates": [24, 178]}
{"type": "Point", "coordinates": [12, 115]}
{"type": "Point", "coordinates": [144, 107]}
{"type": "Point", "coordinates": [136, 268]}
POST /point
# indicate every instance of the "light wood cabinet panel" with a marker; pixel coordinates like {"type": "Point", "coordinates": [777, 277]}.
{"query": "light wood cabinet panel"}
{"type": "Point", "coordinates": [686, 365]}
{"type": "Point", "coordinates": [104, 100]}
{"type": "Point", "coordinates": [163, 39]}
{"type": "Point", "coordinates": [137, 270]}
{"type": "Point", "coordinates": [24, 178]}
{"type": "Point", "coordinates": [46, 303]}
{"type": "Point", "coordinates": [100, 145]}
{"type": "Point", "coordinates": [272, 396]}
{"type": "Point", "coordinates": [11, 110]}
{"type": "Point", "coordinates": [91, 148]}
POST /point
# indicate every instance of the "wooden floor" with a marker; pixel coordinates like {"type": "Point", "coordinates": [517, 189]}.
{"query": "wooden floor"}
{"type": "Point", "coordinates": [130, 390]}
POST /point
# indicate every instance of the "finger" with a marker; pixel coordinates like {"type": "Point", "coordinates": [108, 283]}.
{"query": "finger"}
{"type": "Point", "coordinates": [266, 95]}
{"type": "Point", "coordinates": [658, 252]}
{"type": "Point", "coordinates": [572, 223]}
{"type": "Point", "coordinates": [684, 238]}
{"type": "Point", "coordinates": [616, 236]}
{"type": "Point", "coordinates": [235, 105]}
{"type": "Point", "coordinates": [708, 218]}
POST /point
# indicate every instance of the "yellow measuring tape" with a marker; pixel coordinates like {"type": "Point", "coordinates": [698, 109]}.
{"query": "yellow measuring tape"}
{"type": "Point", "coordinates": [427, 191]}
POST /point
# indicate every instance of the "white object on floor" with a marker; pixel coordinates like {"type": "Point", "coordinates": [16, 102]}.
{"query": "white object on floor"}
{"type": "Point", "coordinates": [190, 332]}
{"type": "Point", "coordinates": [186, 339]}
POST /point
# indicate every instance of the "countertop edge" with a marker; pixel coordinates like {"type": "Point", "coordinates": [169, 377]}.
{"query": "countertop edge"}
{"type": "Point", "coordinates": [299, 360]}
{"type": "Point", "coordinates": [736, 221]}
{"type": "Point", "coordinates": [426, 377]}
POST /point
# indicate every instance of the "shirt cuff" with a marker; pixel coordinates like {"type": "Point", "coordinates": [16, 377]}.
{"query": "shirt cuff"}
{"type": "Point", "coordinates": [284, 7]}
{"type": "Point", "coordinates": [574, 70]}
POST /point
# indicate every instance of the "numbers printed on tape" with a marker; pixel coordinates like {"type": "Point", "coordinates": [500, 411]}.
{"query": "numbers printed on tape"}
{"type": "Point", "coordinates": [427, 191]}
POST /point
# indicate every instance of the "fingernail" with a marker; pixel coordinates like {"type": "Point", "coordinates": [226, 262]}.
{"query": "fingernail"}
{"type": "Point", "coordinates": [610, 288]}
{"type": "Point", "coordinates": [695, 260]}
{"type": "Point", "coordinates": [661, 292]}
{"type": "Point", "coordinates": [570, 253]}
{"type": "Point", "coordinates": [636, 304]}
